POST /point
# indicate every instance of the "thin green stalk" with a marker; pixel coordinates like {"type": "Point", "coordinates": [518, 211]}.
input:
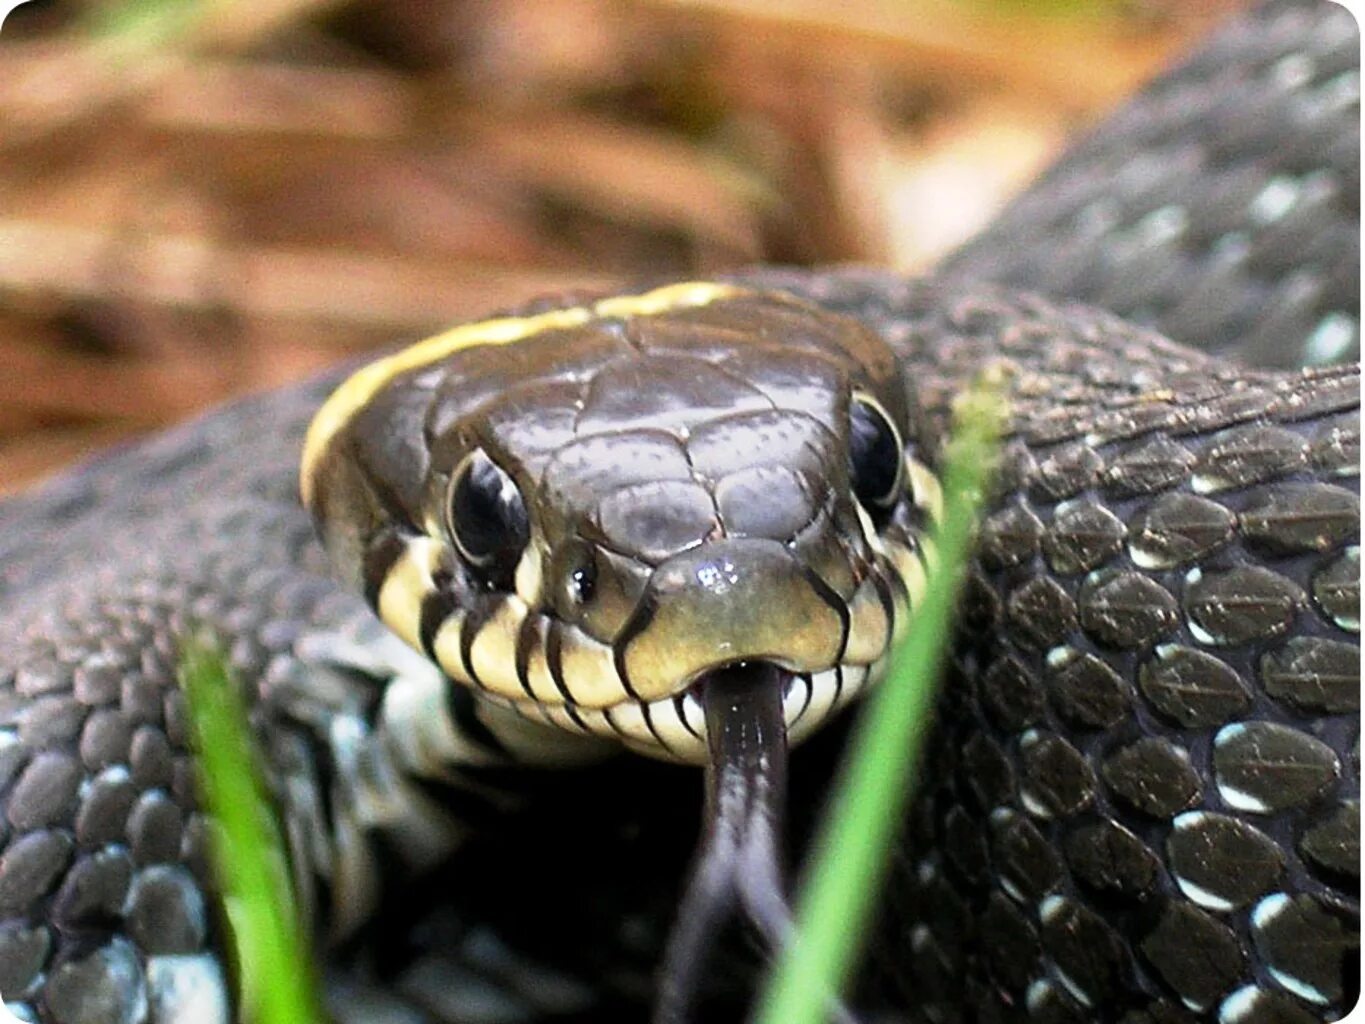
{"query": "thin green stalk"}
{"type": "Point", "coordinates": [851, 853]}
{"type": "Point", "coordinates": [277, 975]}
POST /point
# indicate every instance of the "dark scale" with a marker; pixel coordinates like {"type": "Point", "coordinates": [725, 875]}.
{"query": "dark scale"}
{"type": "Point", "coordinates": [1242, 604]}
{"type": "Point", "coordinates": [1191, 687]}
{"type": "Point", "coordinates": [1110, 860]}
{"type": "Point", "coordinates": [1302, 517]}
{"type": "Point", "coordinates": [1198, 956]}
{"type": "Point", "coordinates": [1333, 845]}
{"type": "Point", "coordinates": [1126, 609]}
{"type": "Point", "coordinates": [1179, 528]}
{"type": "Point", "coordinates": [1153, 776]}
{"type": "Point", "coordinates": [1221, 862]}
{"type": "Point", "coordinates": [1265, 766]}
{"type": "Point", "coordinates": [1304, 942]}
{"type": "Point", "coordinates": [1149, 468]}
{"type": "Point", "coordinates": [1087, 693]}
{"type": "Point", "coordinates": [1336, 588]}
{"type": "Point", "coordinates": [1313, 674]}
{"type": "Point", "coordinates": [1082, 536]}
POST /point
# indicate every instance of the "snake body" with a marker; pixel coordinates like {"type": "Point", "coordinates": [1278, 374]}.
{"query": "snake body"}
{"type": "Point", "coordinates": [1141, 800]}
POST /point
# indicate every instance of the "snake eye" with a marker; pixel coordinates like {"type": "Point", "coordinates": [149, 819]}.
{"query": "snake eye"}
{"type": "Point", "coordinates": [487, 516]}
{"type": "Point", "coordinates": [874, 455]}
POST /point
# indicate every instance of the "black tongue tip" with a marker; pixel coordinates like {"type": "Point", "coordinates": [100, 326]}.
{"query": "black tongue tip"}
{"type": "Point", "coordinates": [740, 857]}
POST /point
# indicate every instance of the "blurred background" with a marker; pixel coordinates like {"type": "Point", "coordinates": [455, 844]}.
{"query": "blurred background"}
{"type": "Point", "coordinates": [202, 199]}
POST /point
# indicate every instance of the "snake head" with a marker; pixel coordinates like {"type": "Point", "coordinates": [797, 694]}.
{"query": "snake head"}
{"type": "Point", "coordinates": [583, 513]}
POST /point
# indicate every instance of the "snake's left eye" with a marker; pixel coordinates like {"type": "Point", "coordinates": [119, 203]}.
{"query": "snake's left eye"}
{"type": "Point", "coordinates": [875, 459]}
{"type": "Point", "coordinates": [487, 517]}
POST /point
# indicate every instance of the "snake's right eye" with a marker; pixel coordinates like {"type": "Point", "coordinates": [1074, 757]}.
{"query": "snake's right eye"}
{"type": "Point", "coordinates": [875, 459]}
{"type": "Point", "coordinates": [487, 517]}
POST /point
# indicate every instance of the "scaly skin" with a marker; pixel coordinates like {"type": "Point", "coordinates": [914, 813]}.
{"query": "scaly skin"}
{"type": "Point", "coordinates": [1071, 849]}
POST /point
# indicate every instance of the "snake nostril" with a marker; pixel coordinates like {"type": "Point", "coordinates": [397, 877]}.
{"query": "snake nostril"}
{"type": "Point", "coordinates": [583, 582]}
{"type": "Point", "coordinates": [578, 568]}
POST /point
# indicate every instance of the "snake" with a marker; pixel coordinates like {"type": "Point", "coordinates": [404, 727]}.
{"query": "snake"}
{"type": "Point", "coordinates": [536, 569]}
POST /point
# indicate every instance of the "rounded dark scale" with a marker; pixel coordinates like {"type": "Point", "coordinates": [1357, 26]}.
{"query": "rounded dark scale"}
{"type": "Point", "coordinates": [1009, 537]}
{"type": "Point", "coordinates": [1247, 455]}
{"type": "Point", "coordinates": [1221, 862]}
{"type": "Point", "coordinates": [104, 808]}
{"type": "Point", "coordinates": [1266, 767]}
{"type": "Point", "coordinates": [51, 721]}
{"type": "Point", "coordinates": [1027, 862]}
{"type": "Point", "coordinates": [1014, 947]}
{"type": "Point", "coordinates": [1126, 609]}
{"type": "Point", "coordinates": [166, 913]}
{"type": "Point", "coordinates": [1040, 613]}
{"type": "Point", "coordinates": [97, 681]}
{"type": "Point", "coordinates": [1049, 1003]}
{"type": "Point", "coordinates": [150, 758]}
{"type": "Point", "coordinates": [94, 889]}
{"type": "Point", "coordinates": [1085, 691]}
{"type": "Point", "coordinates": [1110, 859]}
{"type": "Point", "coordinates": [184, 783]}
{"type": "Point", "coordinates": [1178, 528]}
{"type": "Point", "coordinates": [1055, 780]}
{"type": "Point", "coordinates": [1304, 945]}
{"type": "Point", "coordinates": [140, 698]}
{"type": "Point", "coordinates": [1066, 470]}
{"type": "Point", "coordinates": [105, 739]}
{"type": "Point", "coordinates": [1010, 694]}
{"type": "Point", "coordinates": [1083, 948]}
{"type": "Point", "coordinates": [1252, 1005]}
{"type": "Point", "coordinates": [194, 849]}
{"type": "Point", "coordinates": [933, 978]}
{"type": "Point", "coordinates": [23, 954]}
{"type": "Point", "coordinates": [1192, 688]}
{"type": "Point", "coordinates": [953, 923]}
{"type": "Point", "coordinates": [1016, 467]}
{"type": "Point", "coordinates": [1240, 605]}
{"type": "Point", "coordinates": [155, 828]}
{"type": "Point", "coordinates": [1336, 589]}
{"type": "Point", "coordinates": [1334, 844]}
{"type": "Point", "coordinates": [1302, 517]}
{"type": "Point", "coordinates": [1155, 466]}
{"type": "Point", "coordinates": [176, 718]}
{"type": "Point", "coordinates": [105, 985]}
{"type": "Point", "coordinates": [156, 662]}
{"type": "Point", "coordinates": [30, 867]}
{"type": "Point", "coordinates": [965, 847]}
{"type": "Point", "coordinates": [1082, 535]}
{"type": "Point", "coordinates": [1199, 957]}
{"type": "Point", "coordinates": [986, 772]}
{"type": "Point", "coordinates": [980, 606]}
{"type": "Point", "coordinates": [1154, 776]}
{"type": "Point", "coordinates": [45, 792]}
{"type": "Point", "coordinates": [1159, 1012]}
{"type": "Point", "coordinates": [1336, 448]}
{"type": "Point", "coordinates": [1313, 674]}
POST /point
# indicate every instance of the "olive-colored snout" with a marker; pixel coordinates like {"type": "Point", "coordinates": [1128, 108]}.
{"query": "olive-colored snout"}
{"type": "Point", "coordinates": [725, 602]}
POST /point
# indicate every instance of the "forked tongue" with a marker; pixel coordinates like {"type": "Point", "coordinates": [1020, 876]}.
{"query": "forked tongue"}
{"type": "Point", "coordinates": [739, 861]}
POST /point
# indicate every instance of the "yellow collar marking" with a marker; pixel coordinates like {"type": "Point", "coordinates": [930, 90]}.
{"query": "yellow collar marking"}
{"type": "Point", "coordinates": [358, 389]}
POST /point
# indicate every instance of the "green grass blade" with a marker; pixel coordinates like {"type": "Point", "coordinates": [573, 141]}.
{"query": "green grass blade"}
{"type": "Point", "coordinates": [277, 973]}
{"type": "Point", "coordinates": [849, 858]}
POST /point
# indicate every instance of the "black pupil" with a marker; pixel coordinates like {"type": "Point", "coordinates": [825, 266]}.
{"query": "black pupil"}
{"type": "Point", "coordinates": [874, 456]}
{"type": "Point", "coordinates": [488, 517]}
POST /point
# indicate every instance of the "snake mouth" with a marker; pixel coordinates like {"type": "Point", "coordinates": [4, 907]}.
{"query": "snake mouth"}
{"type": "Point", "coordinates": [676, 728]}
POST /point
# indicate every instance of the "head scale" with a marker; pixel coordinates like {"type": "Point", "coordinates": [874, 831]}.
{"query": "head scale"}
{"type": "Point", "coordinates": [582, 513]}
